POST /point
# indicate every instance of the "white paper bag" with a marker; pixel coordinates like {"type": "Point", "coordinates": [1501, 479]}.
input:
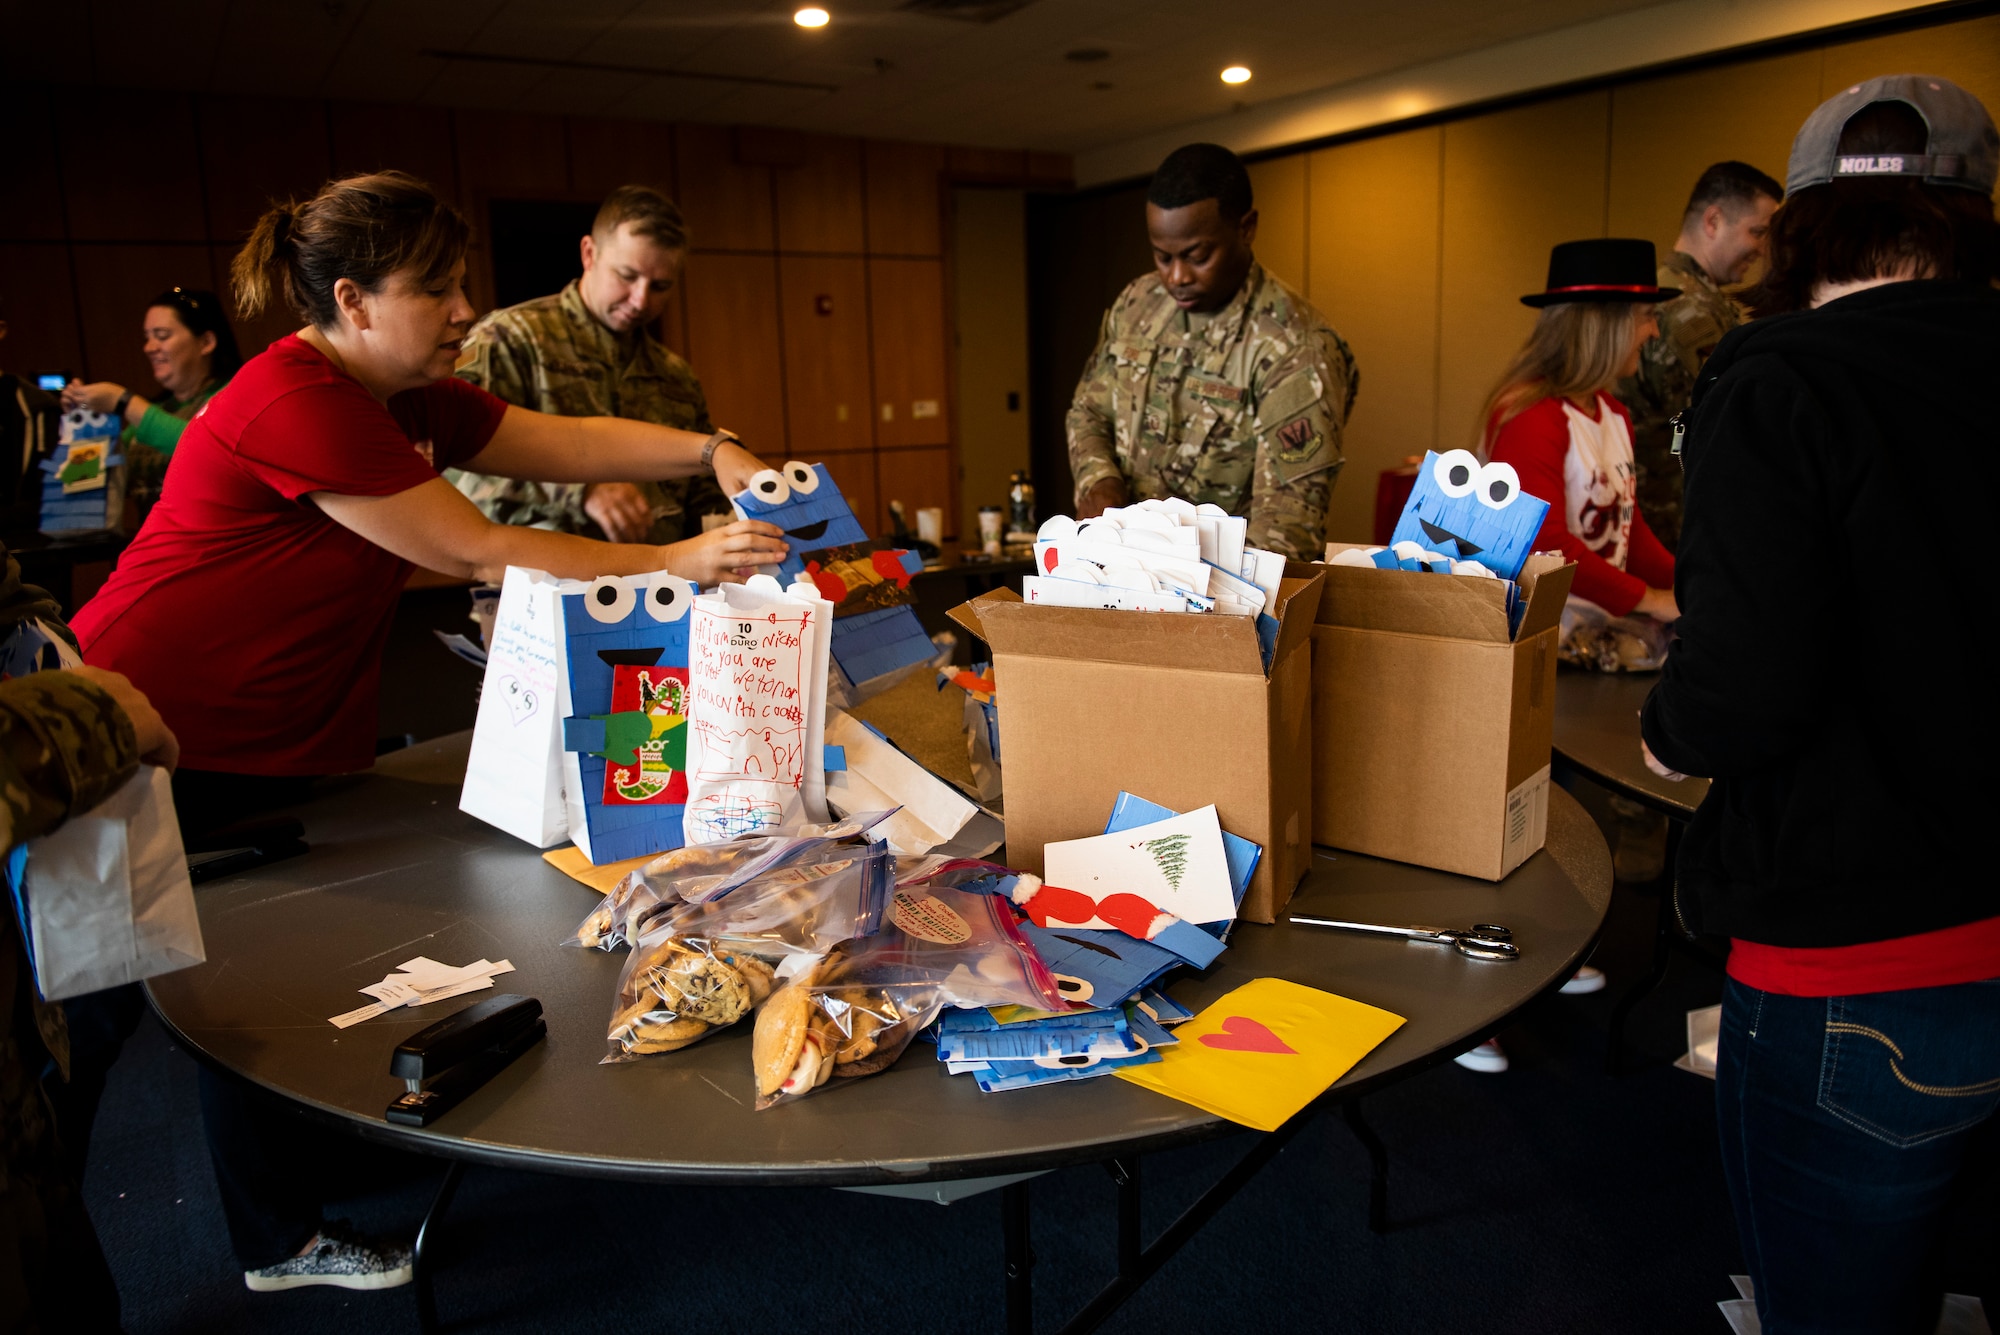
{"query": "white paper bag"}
{"type": "Point", "coordinates": [934, 816]}
{"type": "Point", "coordinates": [757, 665]}
{"type": "Point", "coordinates": [109, 900]}
{"type": "Point", "coordinates": [514, 776]}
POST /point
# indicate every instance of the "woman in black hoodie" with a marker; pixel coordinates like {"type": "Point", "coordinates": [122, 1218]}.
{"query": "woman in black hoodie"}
{"type": "Point", "coordinates": [1842, 463]}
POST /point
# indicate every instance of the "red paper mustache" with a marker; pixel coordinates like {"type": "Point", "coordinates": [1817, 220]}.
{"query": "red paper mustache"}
{"type": "Point", "coordinates": [1057, 906]}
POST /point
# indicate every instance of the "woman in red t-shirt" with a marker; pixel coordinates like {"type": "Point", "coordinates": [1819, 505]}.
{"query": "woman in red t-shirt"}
{"type": "Point", "coordinates": [254, 604]}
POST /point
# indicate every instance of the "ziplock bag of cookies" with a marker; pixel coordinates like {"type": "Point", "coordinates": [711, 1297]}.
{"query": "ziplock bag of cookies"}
{"type": "Point", "coordinates": [702, 967]}
{"type": "Point", "coordinates": [701, 872]}
{"type": "Point", "coordinates": [855, 1013]}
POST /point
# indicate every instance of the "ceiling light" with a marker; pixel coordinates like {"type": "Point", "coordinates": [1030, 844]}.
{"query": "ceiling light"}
{"type": "Point", "coordinates": [814, 17]}
{"type": "Point", "coordinates": [1236, 74]}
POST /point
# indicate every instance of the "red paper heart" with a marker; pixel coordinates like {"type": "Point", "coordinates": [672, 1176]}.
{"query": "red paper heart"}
{"type": "Point", "coordinates": [1240, 1033]}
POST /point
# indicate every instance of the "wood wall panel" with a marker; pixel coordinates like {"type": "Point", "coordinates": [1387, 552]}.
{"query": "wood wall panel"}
{"type": "Point", "coordinates": [1665, 132]}
{"type": "Point", "coordinates": [1967, 53]}
{"type": "Point", "coordinates": [115, 193]}
{"type": "Point", "coordinates": [114, 283]}
{"type": "Point", "coordinates": [417, 140]}
{"type": "Point", "coordinates": [854, 474]}
{"type": "Point", "coordinates": [256, 151]}
{"type": "Point", "coordinates": [904, 205]}
{"type": "Point", "coordinates": [509, 155]}
{"type": "Point", "coordinates": [1002, 165]}
{"type": "Point", "coordinates": [824, 305]}
{"type": "Point", "coordinates": [1278, 188]}
{"type": "Point", "coordinates": [734, 343]}
{"type": "Point", "coordinates": [1373, 260]}
{"type": "Point", "coordinates": [727, 205]}
{"type": "Point", "coordinates": [920, 478]}
{"type": "Point", "coordinates": [1515, 183]}
{"type": "Point", "coordinates": [31, 197]}
{"type": "Point", "coordinates": [605, 154]}
{"type": "Point", "coordinates": [819, 202]}
{"type": "Point", "coordinates": [40, 309]}
{"type": "Point", "coordinates": [907, 332]}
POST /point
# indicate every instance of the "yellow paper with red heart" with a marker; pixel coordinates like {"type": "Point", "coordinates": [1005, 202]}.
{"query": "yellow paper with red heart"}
{"type": "Point", "coordinates": [1265, 1051]}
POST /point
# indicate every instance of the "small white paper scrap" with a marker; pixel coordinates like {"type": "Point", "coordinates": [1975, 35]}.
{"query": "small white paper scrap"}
{"type": "Point", "coordinates": [419, 982]}
{"type": "Point", "coordinates": [1177, 865]}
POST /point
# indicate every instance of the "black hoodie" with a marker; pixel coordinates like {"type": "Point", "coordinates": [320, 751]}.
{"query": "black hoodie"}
{"type": "Point", "coordinates": [1836, 575]}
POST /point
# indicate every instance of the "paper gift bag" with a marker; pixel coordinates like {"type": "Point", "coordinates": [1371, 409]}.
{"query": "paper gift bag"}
{"type": "Point", "coordinates": [625, 706]}
{"type": "Point", "coordinates": [932, 815]}
{"type": "Point", "coordinates": [108, 897]}
{"type": "Point", "coordinates": [757, 668]}
{"type": "Point", "coordinates": [513, 777]}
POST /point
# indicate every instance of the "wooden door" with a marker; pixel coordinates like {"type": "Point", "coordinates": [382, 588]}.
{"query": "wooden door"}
{"type": "Point", "coordinates": [734, 344]}
{"type": "Point", "coordinates": [825, 305]}
{"type": "Point", "coordinates": [906, 301]}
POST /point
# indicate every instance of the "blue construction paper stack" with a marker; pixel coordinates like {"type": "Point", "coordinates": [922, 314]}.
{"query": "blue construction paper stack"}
{"type": "Point", "coordinates": [1122, 1020]}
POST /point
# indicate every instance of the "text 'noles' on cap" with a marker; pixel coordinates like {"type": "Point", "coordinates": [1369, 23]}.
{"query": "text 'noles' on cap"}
{"type": "Point", "coordinates": [1963, 149]}
{"type": "Point", "coordinates": [1603, 269]}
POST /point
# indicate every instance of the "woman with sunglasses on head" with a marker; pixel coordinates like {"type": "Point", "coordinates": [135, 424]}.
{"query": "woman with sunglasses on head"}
{"type": "Point", "coordinates": [192, 351]}
{"type": "Point", "coordinates": [1554, 421]}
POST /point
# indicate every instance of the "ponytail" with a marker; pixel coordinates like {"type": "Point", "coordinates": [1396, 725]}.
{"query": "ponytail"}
{"type": "Point", "coordinates": [362, 228]}
{"type": "Point", "coordinates": [258, 267]}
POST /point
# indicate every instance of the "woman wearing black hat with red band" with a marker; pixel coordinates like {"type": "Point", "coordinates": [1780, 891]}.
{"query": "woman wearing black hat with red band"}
{"type": "Point", "coordinates": [1552, 418]}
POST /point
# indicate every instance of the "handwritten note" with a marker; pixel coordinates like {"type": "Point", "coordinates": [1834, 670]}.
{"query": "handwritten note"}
{"type": "Point", "coordinates": [513, 777]}
{"type": "Point", "coordinates": [756, 688]}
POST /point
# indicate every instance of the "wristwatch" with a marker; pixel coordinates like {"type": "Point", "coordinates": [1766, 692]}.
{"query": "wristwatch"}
{"type": "Point", "coordinates": [124, 402]}
{"type": "Point", "coordinates": [716, 442]}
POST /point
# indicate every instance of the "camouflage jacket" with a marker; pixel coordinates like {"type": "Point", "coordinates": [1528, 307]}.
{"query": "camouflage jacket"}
{"type": "Point", "coordinates": [65, 746]}
{"type": "Point", "coordinates": [1690, 327]}
{"type": "Point", "coordinates": [552, 355]}
{"type": "Point", "coordinates": [1242, 407]}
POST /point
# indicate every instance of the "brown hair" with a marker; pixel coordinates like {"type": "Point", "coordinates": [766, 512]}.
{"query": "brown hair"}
{"type": "Point", "coordinates": [1874, 227]}
{"type": "Point", "coordinates": [1576, 349]}
{"type": "Point", "coordinates": [650, 213]}
{"type": "Point", "coordinates": [362, 228]}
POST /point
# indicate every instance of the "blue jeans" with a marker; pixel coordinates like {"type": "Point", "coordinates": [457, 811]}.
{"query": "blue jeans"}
{"type": "Point", "coordinates": [1854, 1133]}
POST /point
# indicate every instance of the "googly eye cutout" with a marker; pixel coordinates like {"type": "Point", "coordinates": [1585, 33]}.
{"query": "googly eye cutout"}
{"type": "Point", "coordinates": [769, 486]}
{"type": "Point", "coordinates": [1498, 486]}
{"type": "Point", "coordinates": [1074, 989]}
{"type": "Point", "coordinates": [1456, 473]}
{"type": "Point", "coordinates": [608, 600]}
{"type": "Point", "coordinates": [668, 597]}
{"type": "Point", "coordinates": [803, 478]}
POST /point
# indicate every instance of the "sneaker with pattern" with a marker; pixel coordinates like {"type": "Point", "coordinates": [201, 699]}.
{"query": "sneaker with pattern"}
{"type": "Point", "coordinates": [340, 1257]}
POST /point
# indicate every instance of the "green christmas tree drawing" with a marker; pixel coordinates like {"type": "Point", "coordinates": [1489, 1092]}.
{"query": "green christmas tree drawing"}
{"type": "Point", "coordinates": [1169, 854]}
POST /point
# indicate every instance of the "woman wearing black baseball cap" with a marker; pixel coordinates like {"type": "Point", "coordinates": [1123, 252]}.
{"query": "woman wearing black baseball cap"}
{"type": "Point", "coordinates": [1840, 457]}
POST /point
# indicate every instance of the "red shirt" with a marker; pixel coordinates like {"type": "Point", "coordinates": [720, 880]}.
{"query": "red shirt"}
{"type": "Point", "coordinates": [1536, 443]}
{"type": "Point", "coordinates": [1967, 953]}
{"type": "Point", "coordinates": [252, 621]}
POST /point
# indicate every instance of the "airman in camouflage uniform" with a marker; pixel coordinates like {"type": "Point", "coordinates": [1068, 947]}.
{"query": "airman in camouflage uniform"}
{"type": "Point", "coordinates": [65, 746]}
{"type": "Point", "coordinates": [552, 355]}
{"type": "Point", "coordinates": [1690, 327]}
{"type": "Point", "coordinates": [1242, 407]}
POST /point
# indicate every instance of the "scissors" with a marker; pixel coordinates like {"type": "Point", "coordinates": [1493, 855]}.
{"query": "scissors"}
{"type": "Point", "coordinates": [1481, 941]}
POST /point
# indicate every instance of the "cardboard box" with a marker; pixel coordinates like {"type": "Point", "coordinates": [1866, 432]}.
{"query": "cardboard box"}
{"type": "Point", "coordinates": [1431, 724]}
{"type": "Point", "coordinates": [1174, 707]}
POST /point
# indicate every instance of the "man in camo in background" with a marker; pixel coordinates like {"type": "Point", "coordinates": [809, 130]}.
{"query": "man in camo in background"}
{"type": "Point", "coordinates": [589, 351]}
{"type": "Point", "coordinates": [1212, 380]}
{"type": "Point", "coordinates": [1724, 230]}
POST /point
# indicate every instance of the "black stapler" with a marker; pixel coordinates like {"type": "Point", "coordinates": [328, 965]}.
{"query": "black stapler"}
{"type": "Point", "coordinates": [441, 1064]}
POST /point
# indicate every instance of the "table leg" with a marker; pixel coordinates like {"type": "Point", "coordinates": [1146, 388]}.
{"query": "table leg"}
{"type": "Point", "coordinates": [1378, 1165]}
{"type": "Point", "coordinates": [421, 1254]}
{"type": "Point", "coordinates": [1125, 1172]}
{"type": "Point", "coordinates": [1020, 1259]}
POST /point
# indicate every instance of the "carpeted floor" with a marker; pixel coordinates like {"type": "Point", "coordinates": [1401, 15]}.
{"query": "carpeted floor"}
{"type": "Point", "coordinates": [1552, 1198]}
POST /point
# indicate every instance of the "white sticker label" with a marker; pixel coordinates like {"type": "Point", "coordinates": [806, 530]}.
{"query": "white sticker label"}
{"type": "Point", "coordinates": [929, 919]}
{"type": "Point", "coordinates": [1527, 820]}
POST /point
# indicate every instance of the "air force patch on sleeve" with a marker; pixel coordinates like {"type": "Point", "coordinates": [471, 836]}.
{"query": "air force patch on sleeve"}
{"type": "Point", "coordinates": [1298, 442]}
